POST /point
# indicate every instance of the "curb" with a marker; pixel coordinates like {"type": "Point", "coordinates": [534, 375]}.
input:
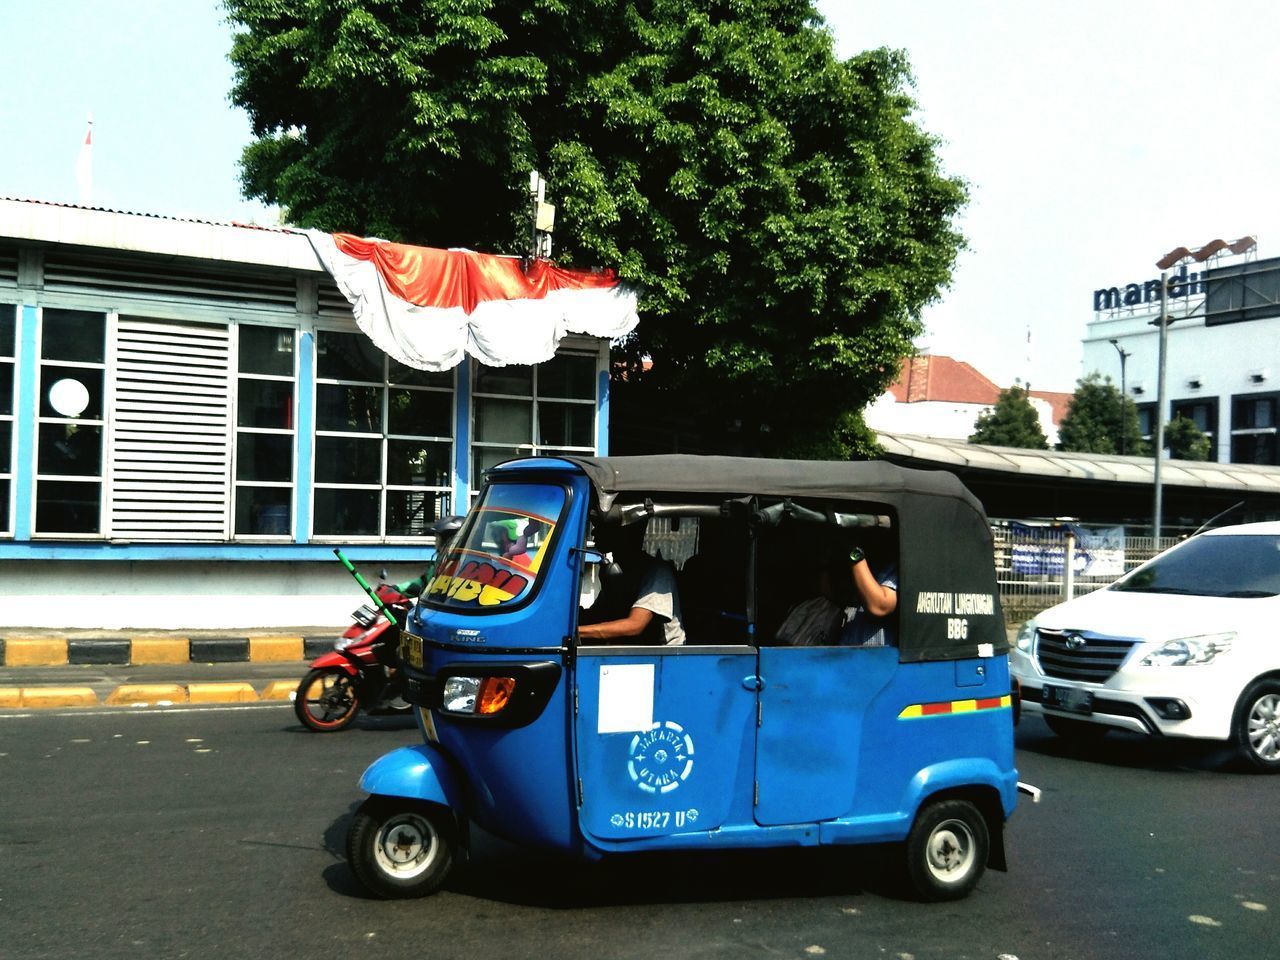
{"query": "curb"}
{"type": "Point", "coordinates": [26, 651]}
{"type": "Point", "coordinates": [144, 694]}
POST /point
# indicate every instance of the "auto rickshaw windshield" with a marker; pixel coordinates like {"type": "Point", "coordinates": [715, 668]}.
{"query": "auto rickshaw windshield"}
{"type": "Point", "coordinates": [496, 560]}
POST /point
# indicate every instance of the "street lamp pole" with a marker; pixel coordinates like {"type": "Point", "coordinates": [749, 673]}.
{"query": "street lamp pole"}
{"type": "Point", "coordinates": [1124, 396]}
{"type": "Point", "coordinates": [1158, 506]}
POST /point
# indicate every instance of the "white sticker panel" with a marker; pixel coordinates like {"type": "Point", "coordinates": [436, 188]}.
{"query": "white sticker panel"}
{"type": "Point", "coordinates": [986, 650]}
{"type": "Point", "coordinates": [626, 698]}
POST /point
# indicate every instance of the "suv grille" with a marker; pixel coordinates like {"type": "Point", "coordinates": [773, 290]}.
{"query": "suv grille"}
{"type": "Point", "coordinates": [1080, 655]}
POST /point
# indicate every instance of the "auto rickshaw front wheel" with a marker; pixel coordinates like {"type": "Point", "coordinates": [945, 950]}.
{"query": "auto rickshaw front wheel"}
{"type": "Point", "coordinates": [400, 848]}
{"type": "Point", "coordinates": [946, 851]}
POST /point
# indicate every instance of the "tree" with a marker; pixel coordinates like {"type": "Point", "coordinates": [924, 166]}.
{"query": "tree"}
{"type": "Point", "coordinates": [1012, 422]}
{"type": "Point", "coordinates": [1185, 441]}
{"type": "Point", "coordinates": [1098, 417]}
{"type": "Point", "coordinates": [784, 218]}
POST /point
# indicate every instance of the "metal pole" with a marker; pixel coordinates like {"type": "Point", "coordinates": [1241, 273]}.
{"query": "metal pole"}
{"type": "Point", "coordinates": [1069, 566]}
{"type": "Point", "coordinates": [1124, 355]}
{"type": "Point", "coordinates": [1158, 506]}
{"type": "Point", "coordinates": [1124, 406]}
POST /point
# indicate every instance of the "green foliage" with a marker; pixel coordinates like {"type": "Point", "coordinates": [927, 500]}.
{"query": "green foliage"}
{"type": "Point", "coordinates": [1101, 420]}
{"type": "Point", "coordinates": [1185, 441]}
{"type": "Point", "coordinates": [784, 218]}
{"type": "Point", "coordinates": [1012, 422]}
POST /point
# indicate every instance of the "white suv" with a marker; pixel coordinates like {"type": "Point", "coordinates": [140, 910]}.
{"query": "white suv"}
{"type": "Point", "coordinates": [1186, 645]}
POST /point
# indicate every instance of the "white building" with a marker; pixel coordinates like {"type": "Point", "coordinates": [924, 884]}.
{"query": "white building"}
{"type": "Point", "coordinates": [1225, 376]}
{"type": "Point", "coordinates": [939, 396]}
{"type": "Point", "coordinates": [191, 421]}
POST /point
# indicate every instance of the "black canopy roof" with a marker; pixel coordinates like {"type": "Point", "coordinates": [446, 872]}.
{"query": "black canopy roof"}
{"type": "Point", "coordinates": [946, 567]}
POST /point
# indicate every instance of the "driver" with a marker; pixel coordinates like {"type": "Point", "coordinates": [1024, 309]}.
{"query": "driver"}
{"type": "Point", "coordinates": [644, 584]}
{"type": "Point", "coordinates": [870, 622]}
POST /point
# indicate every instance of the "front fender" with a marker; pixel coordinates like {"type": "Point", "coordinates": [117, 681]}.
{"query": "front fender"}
{"type": "Point", "coordinates": [419, 772]}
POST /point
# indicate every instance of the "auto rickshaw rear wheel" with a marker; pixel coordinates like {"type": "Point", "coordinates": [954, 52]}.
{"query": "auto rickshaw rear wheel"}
{"type": "Point", "coordinates": [400, 848]}
{"type": "Point", "coordinates": [947, 849]}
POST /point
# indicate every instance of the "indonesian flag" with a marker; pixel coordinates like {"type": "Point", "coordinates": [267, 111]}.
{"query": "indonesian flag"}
{"type": "Point", "coordinates": [427, 308]}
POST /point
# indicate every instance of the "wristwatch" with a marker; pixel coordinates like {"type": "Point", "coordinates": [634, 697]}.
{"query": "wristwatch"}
{"type": "Point", "coordinates": [856, 555]}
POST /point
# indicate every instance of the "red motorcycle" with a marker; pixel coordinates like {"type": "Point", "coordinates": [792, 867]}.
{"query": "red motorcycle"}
{"type": "Point", "coordinates": [360, 671]}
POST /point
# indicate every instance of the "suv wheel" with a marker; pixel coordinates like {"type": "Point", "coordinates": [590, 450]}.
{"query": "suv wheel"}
{"type": "Point", "coordinates": [1257, 727]}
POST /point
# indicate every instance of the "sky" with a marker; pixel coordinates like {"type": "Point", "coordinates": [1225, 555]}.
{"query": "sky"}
{"type": "Point", "coordinates": [1094, 137]}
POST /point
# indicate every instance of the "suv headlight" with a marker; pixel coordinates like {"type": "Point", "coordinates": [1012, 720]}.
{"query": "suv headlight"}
{"type": "Point", "coordinates": [1027, 636]}
{"type": "Point", "coordinates": [1189, 651]}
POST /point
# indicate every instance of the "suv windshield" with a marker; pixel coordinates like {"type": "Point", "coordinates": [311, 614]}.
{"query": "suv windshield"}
{"type": "Point", "coordinates": [497, 556]}
{"type": "Point", "coordinates": [1212, 566]}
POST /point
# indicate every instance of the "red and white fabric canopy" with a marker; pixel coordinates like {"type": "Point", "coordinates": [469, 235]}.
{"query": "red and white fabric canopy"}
{"type": "Point", "coordinates": [427, 308]}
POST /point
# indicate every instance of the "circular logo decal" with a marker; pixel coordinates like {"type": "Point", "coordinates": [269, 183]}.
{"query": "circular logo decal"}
{"type": "Point", "coordinates": [661, 758]}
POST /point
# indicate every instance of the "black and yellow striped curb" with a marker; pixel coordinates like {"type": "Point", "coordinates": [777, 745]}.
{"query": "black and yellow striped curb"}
{"type": "Point", "coordinates": [144, 694]}
{"type": "Point", "coordinates": [52, 651]}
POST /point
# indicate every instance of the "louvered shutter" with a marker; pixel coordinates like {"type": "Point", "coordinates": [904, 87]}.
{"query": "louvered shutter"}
{"type": "Point", "coordinates": [170, 462]}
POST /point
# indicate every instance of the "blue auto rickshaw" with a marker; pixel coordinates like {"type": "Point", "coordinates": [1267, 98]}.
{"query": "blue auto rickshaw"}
{"type": "Point", "coordinates": [733, 738]}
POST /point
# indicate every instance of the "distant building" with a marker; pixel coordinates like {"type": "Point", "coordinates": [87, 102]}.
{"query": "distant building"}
{"type": "Point", "coordinates": [1222, 369]}
{"type": "Point", "coordinates": [937, 396]}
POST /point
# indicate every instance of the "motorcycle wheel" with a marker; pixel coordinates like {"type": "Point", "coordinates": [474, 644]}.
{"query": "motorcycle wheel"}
{"type": "Point", "coordinates": [326, 700]}
{"type": "Point", "coordinates": [401, 848]}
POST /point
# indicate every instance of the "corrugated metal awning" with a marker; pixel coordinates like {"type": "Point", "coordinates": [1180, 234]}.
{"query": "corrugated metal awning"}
{"type": "Point", "coordinates": [953, 454]}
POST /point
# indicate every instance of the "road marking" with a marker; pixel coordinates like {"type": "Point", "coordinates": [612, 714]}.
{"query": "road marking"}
{"type": "Point", "coordinates": [175, 710]}
{"type": "Point", "coordinates": [1248, 904]}
{"type": "Point", "coordinates": [1204, 921]}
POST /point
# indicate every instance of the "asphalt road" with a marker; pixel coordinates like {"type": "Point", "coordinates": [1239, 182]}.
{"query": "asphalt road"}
{"type": "Point", "coordinates": [218, 832]}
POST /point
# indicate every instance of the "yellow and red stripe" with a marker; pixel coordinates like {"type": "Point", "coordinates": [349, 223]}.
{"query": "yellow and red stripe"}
{"type": "Point", "coordinates": [948, 707]}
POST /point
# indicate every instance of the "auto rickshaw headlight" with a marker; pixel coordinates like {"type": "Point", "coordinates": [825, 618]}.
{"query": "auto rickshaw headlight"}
{"type": "Point", "coordinates": [460, 694]}
{"type": "Point", "coordinates": [477, 696]}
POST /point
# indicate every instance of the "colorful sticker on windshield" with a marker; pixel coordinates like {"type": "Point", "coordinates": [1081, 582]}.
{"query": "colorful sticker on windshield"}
{"type": "Point", "coordinates": [506, 540]}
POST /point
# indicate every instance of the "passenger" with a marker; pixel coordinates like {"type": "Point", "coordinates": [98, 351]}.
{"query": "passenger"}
{"type": "Point", "coordinates": [870, 621]}
{"type": "Point", "coordinates": [643, 586]}
{"type": "Point", "coordinates": [815, 622]}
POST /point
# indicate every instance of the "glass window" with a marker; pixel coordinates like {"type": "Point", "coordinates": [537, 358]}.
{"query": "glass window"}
{"type": "Point", "coordinates": [348, 356]}
{"type": "Point", "coordinates": [70, 425]}
{"type": "Point", "coordinates": [265, 403]}
{"type": "Point", "coordinates": [75, 335]}
{"type": "Point", "coordinates": [504, 421]}
{"type": "Point", "coordinates": [527, 411]}
{"type": "Point", "coordinates": [266, 350]}
{"type": "Point", "coordinates": [1253, 429]}
{"type": "Point", "coordinates": [68, 508]}
{"type": "Point", "coordinates": [348, 460]}
{"type": "Point", "coordinates": [511, 381]}
{"type": "Point", "coordinates": [422, 412]}
{"type": "Point", "coordinates": [1146, 419]}
{"type": "Point", "coordinates": [568, 376]}
{"type": "Point", "coordinates": [566, 425]}
{"type": "Point", "coordinates": [384, 441]}
{"type": "Point", "coordinates": [264, 510]}
{"type": "Point", "coordinates": [498, 554]}
{"type": "Point", "coordinates": [349, 408]}
{"type": "Point", "coordinates": [264, 456]}
{"type": "Point", "coordinates": [1204, 414]}
{"type": "Point", "coordinates": [419, 463]}
{"type": "Point", "coordinates": [346, 513]}
{"type": "Point", "coordinates": [265, 415]}
{"type": "Point", "coordinates": [1212, 565]}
